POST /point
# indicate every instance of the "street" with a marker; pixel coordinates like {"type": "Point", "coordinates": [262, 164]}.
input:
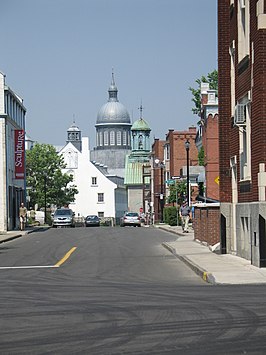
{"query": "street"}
{"type": "Point", "coordinates": [118, 291]}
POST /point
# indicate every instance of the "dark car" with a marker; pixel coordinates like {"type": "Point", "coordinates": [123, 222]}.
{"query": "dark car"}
{"type": "Point", "coordinates": [92, 221]}
{"type": "Point", "coordinates": [130, 219]}
{"type": "Point", "coordinates": [63, 217]}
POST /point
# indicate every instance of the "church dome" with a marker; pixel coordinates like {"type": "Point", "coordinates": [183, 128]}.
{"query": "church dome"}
{"type": "Point", "coordinates": [140, 125]}
{"type": "Point", "coordinates": [113, 111]}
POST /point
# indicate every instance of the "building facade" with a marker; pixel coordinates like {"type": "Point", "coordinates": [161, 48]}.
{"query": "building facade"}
{"type": "Point", "coordinates": [207, 142]}
{"type": "Point", "coordinates": [242, 115]}
{"type": "Point", "coordinates": [138, 198]}
{"type": "Point", "coordinates": [12, 156]}
{"type": "Point", "coordinates": [157, 179]}
{"type": "Point", "coordinates": [175, 158]}
{"type": "Point", "coordinates": [99, 193]}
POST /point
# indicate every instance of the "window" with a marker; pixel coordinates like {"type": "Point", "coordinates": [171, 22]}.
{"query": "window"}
{"type": "Point", "coordinates": [105, 137]}
{"type": "Point", "coordinates": [245, 145]}
{"type": "Point", "coordinates": [94, 180]}
{"type": "Point", "coordinates": [232, 76]}
{"type": "Point", "coordinates": [101, 214]}
{"type": "Point", "coordinates": [124, 138]}
{"type": "Point", "coordinates": [100, 197]}
{"type": "Point", "coordinates": [101, 138]}
{"type": "Point", "coordinates": [112, 138]}
{"type": "Point", "coordinates": [167, 152]}
{"type": "Point", "coordinates": [118, 137]}
{"type": "Point", "coordinates": [243, 29]}
{"type": "Point", "coordinates": [140, 147]}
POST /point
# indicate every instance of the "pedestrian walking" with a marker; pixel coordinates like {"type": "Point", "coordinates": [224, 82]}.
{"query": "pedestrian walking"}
{"type": "Point", "coordinates": [184, 213]}
{"type": "Point", "coordinates": [22, 216]}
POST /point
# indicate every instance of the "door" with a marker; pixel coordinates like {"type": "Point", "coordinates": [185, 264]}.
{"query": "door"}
{"type": "Point", "coordinates": [262, 237]}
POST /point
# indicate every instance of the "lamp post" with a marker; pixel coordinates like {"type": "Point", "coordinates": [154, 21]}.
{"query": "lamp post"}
{"type": "Point", "coordinates": [160, 164]}
{"type": "Point", "coordinates": [187, 146]}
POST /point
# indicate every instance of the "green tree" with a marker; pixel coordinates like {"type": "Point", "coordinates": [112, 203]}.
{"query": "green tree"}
{"type": "Point", "coordinates": [177, 192]}
{"type": "Point", "coordinates": [212, 79]}
{"type": "Point", "coordinates": [201, 157]}
{"type": "Point", "coordinates": [43, 170]}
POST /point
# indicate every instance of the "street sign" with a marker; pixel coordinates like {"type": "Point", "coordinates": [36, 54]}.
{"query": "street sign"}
{"type": "Point", "coordinates": [217, 180]}
{"type": "Point", "coordinates": [170, 182]}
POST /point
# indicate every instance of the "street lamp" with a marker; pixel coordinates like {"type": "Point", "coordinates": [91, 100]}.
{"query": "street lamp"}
{"type": "Point", "coordinates": [187, 146]}
{"type": "Point", "coordinates": [160, 164]}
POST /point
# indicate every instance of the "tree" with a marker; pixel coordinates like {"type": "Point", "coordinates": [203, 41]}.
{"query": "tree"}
{"type": "Point", "coordinates": [45, 177]}
{"type": "Point", "coordinates": [212, 79]}
{"type": "Point", "coordinates": [177, 192]}
{"type": "Point", "coordinates": [201, 157]}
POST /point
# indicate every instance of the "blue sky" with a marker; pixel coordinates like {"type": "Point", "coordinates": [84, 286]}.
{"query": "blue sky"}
{"type": "Point", "coordinates": [58, 56]}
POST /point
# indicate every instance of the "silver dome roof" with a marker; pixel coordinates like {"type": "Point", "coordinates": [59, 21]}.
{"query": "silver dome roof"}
{"type": "Point", "coordinates": [113, 111]}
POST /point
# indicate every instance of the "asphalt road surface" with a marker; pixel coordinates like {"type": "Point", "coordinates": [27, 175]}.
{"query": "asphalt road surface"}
{"type": "Point", "coordinates": [118, 291]}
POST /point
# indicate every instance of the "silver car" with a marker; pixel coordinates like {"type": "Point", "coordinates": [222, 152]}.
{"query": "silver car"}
{"type": "Point", "coordinates": [63, 217]}
{"type": "Point", "coordinates": [130, 219]}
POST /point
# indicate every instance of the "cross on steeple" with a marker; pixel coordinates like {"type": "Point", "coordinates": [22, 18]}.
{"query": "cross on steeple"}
{"type": "Point", "coordinates": [140, 109]}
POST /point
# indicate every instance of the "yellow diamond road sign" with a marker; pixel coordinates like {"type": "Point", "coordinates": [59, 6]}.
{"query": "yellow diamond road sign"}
{"type": "Point", "coordinates": [217, 180]}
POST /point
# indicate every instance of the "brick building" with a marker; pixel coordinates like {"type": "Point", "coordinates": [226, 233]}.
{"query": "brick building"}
{"type": "Point", "coordinates": [242, 127]}
{"type": "Point", "coordinates": [175, 156]}
{"type": "Point", "coordinates": [156, 176]}
{"type": "Point", "coordinates": [208, 140]}
{"type": "Point", "coordinates": [175, 151]}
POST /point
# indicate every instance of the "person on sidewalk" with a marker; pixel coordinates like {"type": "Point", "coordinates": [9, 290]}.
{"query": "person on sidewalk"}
{"type": "Point", "coordinates": [22, 216]}
{"type": "Point", "coordinates": [184, 213]}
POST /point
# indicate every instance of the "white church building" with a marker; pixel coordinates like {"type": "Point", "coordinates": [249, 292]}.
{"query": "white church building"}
{"type": "Point", "coordinates": [99, 193]}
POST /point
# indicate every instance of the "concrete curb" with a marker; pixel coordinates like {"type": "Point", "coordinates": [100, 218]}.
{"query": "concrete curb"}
{"type": "Point", "coordinates": [7, 238]}
{"type": "Point", "coordinates": [170, 231]}
{"type": "Point", "coordinates": [205, 275]}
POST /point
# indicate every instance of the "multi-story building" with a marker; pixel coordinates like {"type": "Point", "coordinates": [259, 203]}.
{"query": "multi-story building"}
{"type": "Point", "coordinates": [207, 142]}
{"type": "Point", "coordinates": [99, 192]}
{"type": "Point", "coordinates": [157, 179]}
{"type": "Point", "coordinates": [176, 158]}
{"type": "Point", "coordinates": [175, 151]}
{"type": "Point", "coordinates": [12, 156]}
{"type": "Point", "coordinates": [242, 128]}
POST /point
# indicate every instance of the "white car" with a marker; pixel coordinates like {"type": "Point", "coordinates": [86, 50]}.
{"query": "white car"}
{"type": "Point", "coordinates": [63, 217]}
{"type": "Point", "coordinates": [130, 219]}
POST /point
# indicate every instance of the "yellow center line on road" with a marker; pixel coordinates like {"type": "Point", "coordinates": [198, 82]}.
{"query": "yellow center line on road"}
{"type": "Point", "coordinates": [60, 262]}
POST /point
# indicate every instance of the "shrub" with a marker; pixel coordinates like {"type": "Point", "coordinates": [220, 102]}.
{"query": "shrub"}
{"type": "Point", "coordinates": [170, 215]}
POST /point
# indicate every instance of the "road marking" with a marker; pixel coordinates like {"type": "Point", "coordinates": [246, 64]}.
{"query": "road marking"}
{"type": "Point", "coordinates": [60, 262]}
{"type": "Point", "coordinates": [27, 267]}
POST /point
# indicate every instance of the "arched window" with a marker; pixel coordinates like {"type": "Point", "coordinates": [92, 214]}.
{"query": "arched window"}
{"type": "Point", "coordinates": [101, 138]}
{"type": "Point", "coordinates": [112, 138]}
{"type": "Point", "coordinates": [140, 142]}
{"type": "Point", "coordinates": [105, 135]}
{"type": "Point", "coordinates": [124, 138]}
{"type": "Point", "coordinates": [118, 138]}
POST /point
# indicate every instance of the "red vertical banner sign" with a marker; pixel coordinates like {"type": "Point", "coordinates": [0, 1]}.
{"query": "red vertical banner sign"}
{"type": "Point", "coordinates": [19, 154]}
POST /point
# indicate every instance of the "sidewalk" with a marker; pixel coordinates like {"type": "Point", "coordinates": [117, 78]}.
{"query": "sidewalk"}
{"type": "Point", "coordinates": [213, 268]}
{"type": "Point", "coordinates": [10, 235]}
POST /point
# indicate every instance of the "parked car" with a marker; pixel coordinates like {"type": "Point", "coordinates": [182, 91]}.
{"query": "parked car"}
{"type": "Point", "coordinates": [92, 221]}
{"type": "Point", "coordinates": [130, 219]}
{"type": "Point", "coordinates": [64, 217]}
